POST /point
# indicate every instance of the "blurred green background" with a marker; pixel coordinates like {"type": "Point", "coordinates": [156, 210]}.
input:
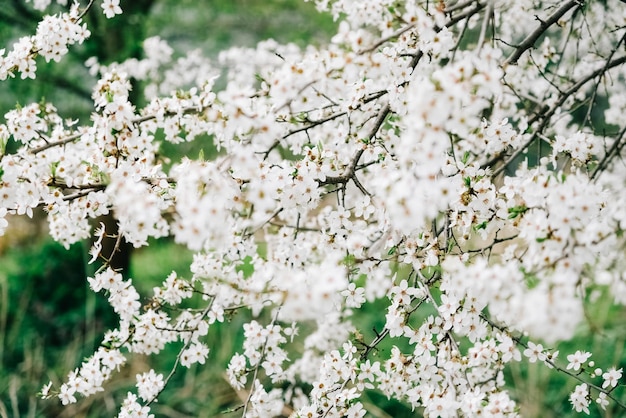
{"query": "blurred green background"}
{"type": "Point", "coordinates": [49, 320]}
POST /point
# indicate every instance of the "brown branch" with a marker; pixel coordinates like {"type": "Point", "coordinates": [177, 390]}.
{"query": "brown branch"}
{"type": "Point", "coordinates": [136, 121]}
{"type": "Point", "coordinates": [258, 365]}
{"type": "Point", "coordinates": [314, 124]}
{"type": "Point", "coordinates": [108, 261]}
{"type": "Point", "coordinates": [205, 312]}
{"type": "Point", "coordinates": [614, 150]}
{"type": "Point", "coordinates": [456, 19]}
{"type": "Point", "coordinates": [388, 38]}
{"type": "Point", "coordinates": [460, 38]}
{"type": "Point", "coordinates": [60, 142]}
{"type": "Point", "coordinates": [547, 112]}
{"type": "Point", "coordinates": [483, 29]}
{"type": "Point", "coordinates": [84, 12]}
{"type": "Point", "coordinates": [551, 362]}
{"type": "Point", "coordinates": [597, 86]}
{"type": "Point", "coordinates": [82, 192]}
{"type": "Point", "coordinates": [530, 40]}
{"type": "Point", "coordinates": [458, 6]}
{"type": "Point", "coordinates": [350, 172]}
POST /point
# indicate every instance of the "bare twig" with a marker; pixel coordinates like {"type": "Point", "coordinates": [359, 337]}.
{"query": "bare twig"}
{"type": "Point", "coordinates": [388, 38]}
{"type": "Point", "coordinates": [460, 5]}
{"type": "Point", "coordinates": [256, 369]}
{"type": "Point", "coordinates": [84, 12]}
{"type": "Point", "coordinates": [205, 312]}
{"type": "Point", "coordinates": [483, 28]}
{"type": "Point", "coordinates": [552, 363]}
{"type": "Point", "coordinates": [547, 112]}
{"type": "Point", "coordinates": [350, 172]}
{"type": "Point", "coordinates": [530, 40]}
{"type": "Point", "coordinates": [614, 150]}
{"type": "Point", "coordinates": [135, 121]}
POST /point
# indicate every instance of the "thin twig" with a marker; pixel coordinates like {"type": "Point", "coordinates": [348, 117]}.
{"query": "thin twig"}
{"type": "Point", "coordinates": [614, 150]}
{"type": "Point", "coordinates": [551, 362]}
{"type": "Point", "coordinates": [458, 6]}
{"type": "Point", "coordinates": [530, 40]}
{"type": "Point", "coordinates": [256, 369]}
{"type": "Point", "coordinates": [388, 38]}
{"type": "Point", "coordinates": [547, 112]}
{"type": "Point", "coordinates": [84, 12]}
{"type": "Point", "coordinates": [483, 28]}
{"type": "Point", "coordinates": [205, 312]}
{"type": "Point", "coordinates": [135, 121]}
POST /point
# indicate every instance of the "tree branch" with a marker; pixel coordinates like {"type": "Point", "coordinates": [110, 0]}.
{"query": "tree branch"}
{"type": "Point", "coordinates": [530, 40]}
{"type": "Point", "coordinates": [547, 112]}
{"type": "Point", "coordinates": [350, 172]}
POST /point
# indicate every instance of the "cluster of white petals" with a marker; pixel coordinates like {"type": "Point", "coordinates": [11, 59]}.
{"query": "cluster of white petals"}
{"type": "Point", "coordinates": [416, 167]}
{"type": "Point", "coordinates": [55, 34]}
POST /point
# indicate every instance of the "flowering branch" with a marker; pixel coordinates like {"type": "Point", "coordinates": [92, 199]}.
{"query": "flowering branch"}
{"type": "Point", "coordinates": [422, 119]}
{"type": "Point", "coordinates": [529, 41]}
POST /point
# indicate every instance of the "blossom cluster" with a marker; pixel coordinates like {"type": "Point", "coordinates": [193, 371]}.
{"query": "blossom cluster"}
{"type": "Point", "coordinates": [444, 181]}
{"type": "Point", "coordinates": [52, 39]}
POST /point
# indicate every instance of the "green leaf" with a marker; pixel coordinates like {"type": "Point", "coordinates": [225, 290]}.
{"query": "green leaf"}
{"type": "Point", "coordinates": [53, 168]}
{"type": "Point", "coordinates": [482, 225]}
{"type": "Point", "coordinates": [515, 211]}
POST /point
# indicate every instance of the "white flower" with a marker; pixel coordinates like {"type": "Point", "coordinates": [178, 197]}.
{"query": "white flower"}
{"type": "Point", "coordinates": [236, 371]}
{"type": "Point", "coordinates": [355, 296]}
{"type": "Point", "coordinates": [67, 394]}
{"type": "Point", "coordinates": [578, 359]}
{"type": "Point", "coordinates": [149, 385]}
{"type": "Point", "coordinates": [611, 378]}
{"type": "Point", "coordinates": [45, 390]}
{"type": "Point", "coordinates": [534, 352]}
{"type": "Point", "coordinates": [111, 8]}
{"type": "Point", "coordinates": [132, 409]}
{"type": "Point", "coordinates": [580, 398]}
{"type": "Point", "coordinates": [602, 401]}
{"type": "Point", "coordinates": [196, 353]}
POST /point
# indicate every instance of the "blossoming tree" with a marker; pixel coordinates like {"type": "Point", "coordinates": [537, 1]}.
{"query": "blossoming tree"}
{"type": "Point", "coordinates": [459, 161]}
